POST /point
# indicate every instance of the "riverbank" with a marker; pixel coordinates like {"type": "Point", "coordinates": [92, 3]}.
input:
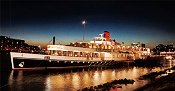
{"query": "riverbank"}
{"type": "Point", "coordinates": [164, 83]}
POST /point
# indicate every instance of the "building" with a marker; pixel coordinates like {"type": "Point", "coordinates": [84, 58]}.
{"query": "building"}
{"type": "Point", "coordinates": [17, 45]}
{"type": "Point", "coordinates": [8, 43]}
{"type": "Point", "coordinates": [163, 48]}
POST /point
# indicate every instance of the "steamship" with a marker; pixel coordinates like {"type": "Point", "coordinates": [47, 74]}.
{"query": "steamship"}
{"type": "Point", "coordinates": [101, 51]}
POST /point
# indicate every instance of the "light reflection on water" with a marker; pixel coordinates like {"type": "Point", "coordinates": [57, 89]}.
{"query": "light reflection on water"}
{"type": "Point", "coordinates": [72, 81]}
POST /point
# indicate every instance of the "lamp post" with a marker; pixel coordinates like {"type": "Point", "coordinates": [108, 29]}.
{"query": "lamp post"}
{"type": "Point", "coordinates": [84, 25]}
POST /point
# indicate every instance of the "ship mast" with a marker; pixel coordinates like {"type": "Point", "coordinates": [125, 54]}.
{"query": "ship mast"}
{"type": "Point", "coordinates": [53, 40]}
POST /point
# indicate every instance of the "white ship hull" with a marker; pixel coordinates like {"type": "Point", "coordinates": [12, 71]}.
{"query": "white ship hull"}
{"type": "Point", "coordinates": [39, 61]}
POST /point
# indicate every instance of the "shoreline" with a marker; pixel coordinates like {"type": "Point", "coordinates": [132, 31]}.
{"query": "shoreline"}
{"type": "Point", "coordinates": [164, 83]}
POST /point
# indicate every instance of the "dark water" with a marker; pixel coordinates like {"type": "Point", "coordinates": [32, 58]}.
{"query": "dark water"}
{"type": "Point", "coordinates": [72, 80]}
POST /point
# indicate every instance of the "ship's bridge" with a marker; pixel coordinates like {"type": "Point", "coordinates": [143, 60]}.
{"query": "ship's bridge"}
{"type": "Point", "coordinates": [101, 40]}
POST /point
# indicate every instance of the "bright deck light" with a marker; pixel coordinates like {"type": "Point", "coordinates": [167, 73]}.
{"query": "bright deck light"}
{"type": "Point", "coordinates": [83, 22]}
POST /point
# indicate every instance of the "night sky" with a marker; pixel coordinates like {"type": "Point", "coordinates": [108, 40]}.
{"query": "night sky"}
{"type": "Point", "coordinates": [37, 21]}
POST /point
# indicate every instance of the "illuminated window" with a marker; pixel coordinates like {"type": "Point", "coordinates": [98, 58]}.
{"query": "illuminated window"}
{"type": "Point", "coordinates": [76, 54]}
{"type": "Point", "coordinates": [59, 53]}
{"type": "Point", "coordinates": [70, 53]}
{"type": "Point", "coordinates": [64, 53]}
